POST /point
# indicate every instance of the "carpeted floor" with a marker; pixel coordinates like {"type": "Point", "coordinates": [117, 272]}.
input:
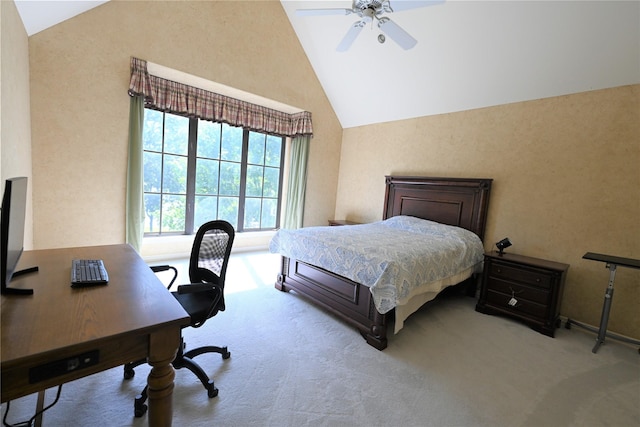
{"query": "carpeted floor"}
{"type": "Point", "coordinates": [294, 365]}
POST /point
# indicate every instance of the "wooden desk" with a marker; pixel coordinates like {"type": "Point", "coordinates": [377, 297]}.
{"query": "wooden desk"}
{"type": "Point", "coordinates": [131, 318]}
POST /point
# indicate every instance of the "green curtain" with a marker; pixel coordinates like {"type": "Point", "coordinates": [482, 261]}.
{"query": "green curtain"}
{"type": "Point", "coordinates": [294, 209]}
{"type": "Point", "coordinates": [135, 200]}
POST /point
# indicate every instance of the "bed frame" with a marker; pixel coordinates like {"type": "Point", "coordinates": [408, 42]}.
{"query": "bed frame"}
{"type": "Point", "coordinates": [455, 201]}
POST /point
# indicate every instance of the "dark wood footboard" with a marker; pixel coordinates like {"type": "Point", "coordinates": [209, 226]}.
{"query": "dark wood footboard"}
{"type": "Point", "coordinates": [348, 300]}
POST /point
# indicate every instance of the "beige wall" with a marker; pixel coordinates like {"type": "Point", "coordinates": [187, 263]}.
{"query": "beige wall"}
{"type": "Point", "coordinates": [80, 107]}
{"type": "Point", "coordinates": [566, 176]}
{"type": "Point", "coordinates": [15, 125]}
{"type": "Point", "coordinates": [565, 169]}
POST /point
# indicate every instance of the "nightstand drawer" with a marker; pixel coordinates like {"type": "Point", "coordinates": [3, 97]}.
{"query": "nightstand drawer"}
{"type": "Point", "coordinates": [519, 291]}
{"type": "Point", "coordinates": [501, 301]}
{"type": "Point", "coordinates": [533, 286]}
{"type": "Point", "coordinates": [520, 274]}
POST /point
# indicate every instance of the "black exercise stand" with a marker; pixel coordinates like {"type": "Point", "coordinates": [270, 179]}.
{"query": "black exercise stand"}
{"type": "Point", "coordinates": [612, 262]}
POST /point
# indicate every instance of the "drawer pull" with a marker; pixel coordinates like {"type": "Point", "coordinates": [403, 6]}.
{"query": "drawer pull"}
{"type": "Point", "coordinates": [513, 302]}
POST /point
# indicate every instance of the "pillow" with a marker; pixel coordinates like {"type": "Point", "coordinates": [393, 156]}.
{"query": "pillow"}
{"type": "Point", "coordinates": [424, 226]}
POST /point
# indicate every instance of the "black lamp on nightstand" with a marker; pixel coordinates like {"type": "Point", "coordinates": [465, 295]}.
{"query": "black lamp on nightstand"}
{"type": "Point", "coordinates": [502, 245]}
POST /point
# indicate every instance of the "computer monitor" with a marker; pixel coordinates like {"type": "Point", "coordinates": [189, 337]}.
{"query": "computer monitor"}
{"type": "Point", "coordinates": [14, 206]}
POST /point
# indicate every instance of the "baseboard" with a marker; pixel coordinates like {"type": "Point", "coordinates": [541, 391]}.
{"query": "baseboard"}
{"type": "Point", "coordinates": [563, 320]}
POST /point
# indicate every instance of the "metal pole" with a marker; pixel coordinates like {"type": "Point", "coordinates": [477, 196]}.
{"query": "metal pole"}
{"type": "Point", "coordinates": [606, 308]}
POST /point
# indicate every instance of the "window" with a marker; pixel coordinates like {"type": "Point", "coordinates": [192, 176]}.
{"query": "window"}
{"type": "Point", "coordinates": [196, 171]}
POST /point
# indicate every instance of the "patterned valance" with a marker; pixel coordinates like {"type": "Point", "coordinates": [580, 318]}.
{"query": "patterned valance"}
{"type": "Point", "coordinates": [178, 98]}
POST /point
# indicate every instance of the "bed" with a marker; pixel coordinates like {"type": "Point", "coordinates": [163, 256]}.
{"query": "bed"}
{"type": "Point", "coordinates": [458, 202]}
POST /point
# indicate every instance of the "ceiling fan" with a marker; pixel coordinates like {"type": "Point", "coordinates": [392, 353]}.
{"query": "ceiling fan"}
{"type": "Point", "coordinates": [368, 10]}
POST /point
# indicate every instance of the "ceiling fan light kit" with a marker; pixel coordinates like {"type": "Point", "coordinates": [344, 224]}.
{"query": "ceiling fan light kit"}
{"type": "Point", "coordinates": [368, 10]}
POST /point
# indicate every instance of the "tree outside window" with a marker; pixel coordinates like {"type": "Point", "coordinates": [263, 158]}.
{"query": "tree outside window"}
{"type": "Point", "coordinates": [196, 171]}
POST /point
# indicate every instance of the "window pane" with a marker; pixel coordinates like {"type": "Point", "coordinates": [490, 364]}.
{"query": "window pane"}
{"type": "Point", "coordinates": [206, 209]}
{"type": "Point", "coordinates": [176, 134]}
{"type": "Point", "coordinates": [152, 171]}
{"type": "Point", "coordinates": [228, 210]}
{"type": "Point", "coordinates": [207, 176]}
{"type": "Point", "coordinates": [252, 213]}
{"type": "Point", "coordinates": [173, 213]}
{"type": "Point", "coordinates": [229, 179]}
{"type": "Point", "coordinates": [175, 174]}
{"type": "Point", "coordinates": [269, 212]}
{"type": "Point", "coordinates": [209, 139]}
{"type": "Point", "coordinates": [271, 182]}
{"type": "Point", "coordinates": [256, 148]}
{"type": "Point", "coordinates": [152, 130]}
{"type": "Point", "coordinates": [254, 181]}
{"type": "Point", "coordinates": [151, 213]}
{"type": "Point", "coordinates": [219, 173]}
{"type": "Point", "coordinates": [274, 151]}
{"type": "Point", "coordinates": [231, 143]}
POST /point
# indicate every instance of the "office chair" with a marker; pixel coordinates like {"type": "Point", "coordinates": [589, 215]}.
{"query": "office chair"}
{"type": "Point", "coordinates": [202, 299]}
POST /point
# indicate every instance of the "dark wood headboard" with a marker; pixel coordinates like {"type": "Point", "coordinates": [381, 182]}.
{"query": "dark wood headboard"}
{"type": "Point", "coordinates": [462, 202]}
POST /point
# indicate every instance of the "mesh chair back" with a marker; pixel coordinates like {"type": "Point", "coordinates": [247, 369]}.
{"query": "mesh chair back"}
{"type": "Point", "coordinates": [210, 252]}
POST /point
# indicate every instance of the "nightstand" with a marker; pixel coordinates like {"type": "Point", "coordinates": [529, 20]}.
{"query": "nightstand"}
{"type": "Point", "coordinates": [336, 222]}
{"type": "Point", "coordinates": [526, 288]}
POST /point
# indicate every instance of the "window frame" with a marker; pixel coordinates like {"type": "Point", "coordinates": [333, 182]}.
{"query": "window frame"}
{"type": "Point", "coordinates": [191, 172]}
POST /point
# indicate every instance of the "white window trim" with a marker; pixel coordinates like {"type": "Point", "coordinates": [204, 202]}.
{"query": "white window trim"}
{"type": "Point", "coordinates": [163, 247]}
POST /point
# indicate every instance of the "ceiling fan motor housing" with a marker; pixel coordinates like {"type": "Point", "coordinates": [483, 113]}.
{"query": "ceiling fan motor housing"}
{"type": "Point", "coordinates": [370, 8]}
{"type": "Point", "coordinates": [368, 4]}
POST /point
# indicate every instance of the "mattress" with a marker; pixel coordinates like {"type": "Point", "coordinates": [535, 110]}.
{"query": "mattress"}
{"type": "Point", "coordinates": [397, 259]}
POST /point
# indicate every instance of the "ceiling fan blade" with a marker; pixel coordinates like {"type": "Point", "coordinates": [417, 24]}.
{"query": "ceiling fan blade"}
{"type": "Point", "coordinates": [396, 33]}
{"type": "Point", "coordinates": [400, 5]}
{"type": "Point", "coordinates": [351, 36]}
{"type": "Point", "coordinates": [323, 12]}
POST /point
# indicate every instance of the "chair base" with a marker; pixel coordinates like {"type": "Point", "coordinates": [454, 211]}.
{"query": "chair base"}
{"type": "Point", "coordinates": [182, 360]}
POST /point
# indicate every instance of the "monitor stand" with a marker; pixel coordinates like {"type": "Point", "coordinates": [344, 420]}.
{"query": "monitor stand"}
{"type": "Point", "coordinates": [14, 291]}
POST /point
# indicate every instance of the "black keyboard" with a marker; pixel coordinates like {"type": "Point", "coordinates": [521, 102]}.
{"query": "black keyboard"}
{"type": "Point", "coordinates": [87, 272]}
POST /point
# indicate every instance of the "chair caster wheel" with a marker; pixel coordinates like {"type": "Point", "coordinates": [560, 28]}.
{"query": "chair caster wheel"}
{"type": "Point", "coordinates": [139, 412]}
{"type": "Point", "coordinates": [129, 373]}
{"type": "Point", "coordinates": [226, 355]}
{"type": "Point", "coordinates": [139, 407]}
{"type": "Point", "coordinates": [212, 391]}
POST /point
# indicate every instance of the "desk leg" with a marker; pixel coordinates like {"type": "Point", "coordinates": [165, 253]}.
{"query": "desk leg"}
{"type": "Point", "coordinates": [163, 346]}
{"type": "Point", "coordinates": [39, 407]}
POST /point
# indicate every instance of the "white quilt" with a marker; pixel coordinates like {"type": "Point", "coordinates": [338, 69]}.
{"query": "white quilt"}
{"type": "Point", "coordinates": [396, 259]}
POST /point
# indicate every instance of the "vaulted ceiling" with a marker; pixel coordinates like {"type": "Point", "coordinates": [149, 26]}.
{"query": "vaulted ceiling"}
{"type": "Point", "coordinates": [470, 54]}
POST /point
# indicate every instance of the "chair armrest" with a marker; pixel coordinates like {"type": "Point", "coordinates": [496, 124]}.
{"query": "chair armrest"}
{"type": "Point", "coordinates": [161, 268]}
{"type": "Point", "coordinates": [198, 287]}
{"type": "Point", "coordinates": [207, 290]}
